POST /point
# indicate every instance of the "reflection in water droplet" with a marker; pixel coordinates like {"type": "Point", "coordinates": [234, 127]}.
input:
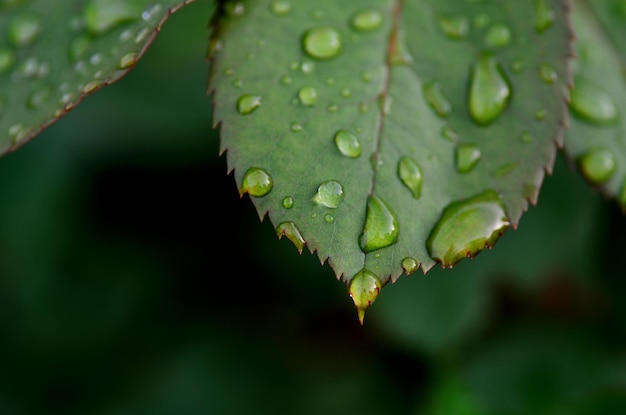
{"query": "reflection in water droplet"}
{"type": "Point", "coordinates": [437, 99]}
{"type": "Point", "coordinates": [411, 175]}
{"type": "Point", "coordinates": [592, 103]}
{"type": "Point", "coordinates": [247, 103]}
{"type": "Point", "coordinates": [292, 233]}
{"type": "Point", "coordinates": [598, 165]}
{"type": "Point", "coordinates": [489, 90]}
{"type": "Point", "coordinates": [24, 29]}
{"type": "Point", "coordinates": [367, 20]}
{"type": "Point", "coordinates": [381, 226]}
{"type": "Point", "coordinates": [288, 202]}
{"type": "Point", "coordinates": [498, 35]}
{"type": "Point", "coordinates": [322, 42]}
{"type": "Point", "coordinates": [454, 26]}
{"type": "Point", "coordinates": [409, 265]}
{"type": "Point", "coordinates": [308, 95]}
{"type": "Point", "coordinates": [466, 227]}
{"type": "Point", "coordinates": [7, 59]}
{"type": "Point", "coordinates": [466, 157]}
{"type": "Point", "coordinates": [100, 16]}
{"type": "Point", "coordinates": [348, 144]}
{"type": "Point", "coordinates": [544, 15]}
{"type": "Point", "coordinates": [330, 194]}
{"type": "Point", "coordinates": [127, 61]}
{"type": "Point", "coordinates": [256, 182]}
{"type": "Point", "coordinates": [280, 7]}
{"type": "Point", "coordinates": [364, 288]}
{"type": "Point", "coordinates": [548, 73]}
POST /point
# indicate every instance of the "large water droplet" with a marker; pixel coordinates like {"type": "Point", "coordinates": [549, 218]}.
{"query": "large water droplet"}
{"type": "Point", "coordinates": [381, 226]}
{"type": "Point", "coordinates": [411, 175]}
{"type": "Point", "coordinates": [292, 233]}
{"type": "Point", "coordinates": [454, 26]}
{"type": "Point", "coordinates": [364, 288]}
{"type": "Point", "coordinates": [489, 90]}
{"type": "Point", "coordinates": [7, 59]}
{"type": "Point", "coordinates": [544, 15]}
{"type": "Point", "coordinates": [24, 29]}
{"type": "Point", "coordinates": [280, 7]}
{"type": "Point", "coordinates": [308, 95]}
{"type": "Point", "coordinates": [256, 182]}
{"type": "Point", "coordinates": [409, 265]}
{"type": "Point", "coordinates": [102, 15]}
{"type": "Point", "coordinates": [498, 35]}
{"type": "Point", "coordinates": [466, 157]}
{"type": "Point", "coordinates": [466, 227]}
{"type": "Point", "coordinates": [598, 165]}
{"type": "Point", "coordinates": [329, 194]}
{"type": "Point", "coordinates": [367, 20]}
{"type": "Point", "coordinates": [322, 42]}
{"type": "Point", "coordinates": [437, 99]}
{"type": "Point", "coordinates": [348, 144]}
{"type": "Point", "coordinates": [247, 103]}
{"type": "Point", "coordinates": [592, 103]}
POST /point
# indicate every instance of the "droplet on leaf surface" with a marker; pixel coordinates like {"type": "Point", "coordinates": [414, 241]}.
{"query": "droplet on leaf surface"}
{"type": "Point", "coordinates": [598, 165]}
{"type": "Point", "coordinates": [256, 182]}
{"type": "Point", "coordinates": [466, 157]}
{"type": "Point", "coordinates": [322, 42]}
{"type": "Point", "coordinates": [24, 29]}
{"type": "Point", "coordinates": [411, 175]}
{"type": "Point", "coordinates": [592, 103]}
{"type": "Point", "coordinates": [347, 144]}
{"type": "Point", "coordinates": [367, 20]}
{"type": "Point", "coordinates": [489, 91]}
{"type": "Point", "coordinates": [381, 226]}
{"type": "Point", "coordinates": [247, 103]}
{"type": "Point", "coordinates": [329, 194]}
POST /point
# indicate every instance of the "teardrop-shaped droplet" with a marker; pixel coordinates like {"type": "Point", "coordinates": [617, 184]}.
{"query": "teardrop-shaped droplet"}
{"type": "Point", "coordinates": [322, 42]}
{"type": "Point", "coordinates": [598, 165]}
{"type": "Point", "coordinates": [329, 194]}
{"type": "Point", "coordinates": [544, 15]}
{"type": "Point", "coordinates": [290, 230]}
{"type": "Point", "coordinates": [24, 29]}
{"type": "Point", "coordinates": [127, 60]}
{"type": "Point", "coordinates": [466, 157]}
{"type": "Point", "coordinates": [466, 227]}
{"type": "Point", "coordinates": [498, 36]}
{"type": "Point", "coordinates": [256, 182]}
{"type": "Point", "coordinates": [409, 265]}
{"type": "Point", "coordinates": [454, 26]}
{"type": "Point", "coordinates": [437, 99]}
{"type": "Point", "coordinates": [347, 144]}
{"type": "Point", "coordinates": [100, 16]}
{"type": "Point", "coordinates": [381, 226]}
{"type": "Point", "coordinates": [489, 91]}
{"type": "Point", "coordinates": [548, 73]}
{"type": "Point", "coordinates": [280, 7]}
{"type": "Point", "coordinates": [411, 175]}
{"type": "Point", "coordinates": [592, 103]}
{"type": "Point", "coordinates": [308, 95]}
{"type": "Point", "coordinates": [7, 59]}
{"type": "Point", "coordinates": [367, 20]}
{"type": "Point", "coordinates": [247, 103]}
{"type": "Point", "coordinates": [364, 289]}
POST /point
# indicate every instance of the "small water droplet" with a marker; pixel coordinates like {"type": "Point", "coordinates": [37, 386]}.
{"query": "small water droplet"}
{"type": "Point", "coordinates": [381, 226]}
{"type": "Point", "coordinates": [307, 67]}
{"type": "Point", "coordinates": [333, 108]}
{"type": "Point", "coordinates": [466, 157]}
{"type": "Point", "coordinates": [237, 83]}
{"type": "Point", "coordinates": [143, 34]}
{"type": "Point", "coordinates": [505, 169]}
{"type": "Point", "coordinates": [322, 42]}
{"type": "Point", "coordinates": [363, 107]}
{"type": "Point", "coordinates": [329, 218]}
{"type": "Point", "coordinates": [151, 12]}
{"type": "Point", "coordinates": [318, 14]}
{"type": "Point", "coordinates": [544, 15]}
{"type": "Point", "coordinates": [367, 20]}
{"type": "Point", "coordinates": [489, 90]}
{"type": "Point", "coordinates": [598, 165]}
{"type": "Point", "coordinates": [286, 80]}
{"type": "Point", "coordinates": [411, 175]}
{"type": "Point", "coordinates": [437, 99]}
{"type": "Point", "coordinates": [449, 134]}
{"type": "Point", "coordinates": [256, 182]}
{"type": "Point", "coordinates": [364, 288]}
{"type": "Point", "coordinates": [280, 7]}
{"type": "Point", "coordinates": [481, 20]}
{"type": "Point", "coordinates": [290, 230]}
{"type": "Point", "coordinates": [234, 8]}
{"type": "Point", "coordinates": [24, 29]}
{"type": "Point", "coordinates": [526, 137]}
{"type": "Point", "coordinates": [366, 76]}
{"type": "Point", "coordinates": [592, 103]}
{"type": "Point", "coordinates": [288, 202]}
{"type": "Point", "coordinates": [95, 59]}
{"type": "Point", "coordinates": [330, 194]}
{"type": "Point", "coordinates": [348, 144]}
{"type": "Point", "coordinates": [454, 26]}
{"type": "Point", "coordinates": [127, 60]}
{"type": "Point", "coordinates": [93, 86]}
{"type": "Point", "coordinates": [346, 92]}
{"type": "Point", "coordinates": [7, 59]}
{"type": "Point", "coordinates": [409, 265]}
{"type": "Point", "coordinates": [498, 36]}
{"type": "Point", "coordinates": [100, 16]}
{"type": "Point", "coordinates": [466, 227]}
{"type": "Point", "coordinates": [295, 127]}
{"type": "Point", "coordinates": [547, 73]}
{"type": "Point", "coordinates": [330, 81]}
{"type": "Point", "coordinates": [308, 95]}
{"type": "Point", "coordinates": [39, 97]}
{"type": "Point", "coordinates": [517, 65]}
{"type": "Point", "coordinates": [247, 103]}
{"type": "Point", "coordinates": [541, 114]}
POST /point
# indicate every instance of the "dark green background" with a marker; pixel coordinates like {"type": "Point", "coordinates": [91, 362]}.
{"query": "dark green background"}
{"type": "Point", "coordinates": [135, 280]}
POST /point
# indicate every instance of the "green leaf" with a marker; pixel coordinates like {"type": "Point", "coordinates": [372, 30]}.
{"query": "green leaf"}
{"type": "Point", "coordinates": [365, 123]}
{"type": "Point", "coordinates": [55, 53]}
{"type": "Point", "coordinates": [596, 139]}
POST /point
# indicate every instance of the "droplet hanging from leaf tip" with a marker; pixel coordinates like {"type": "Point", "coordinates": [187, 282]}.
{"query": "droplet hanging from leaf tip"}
{"type": "Point", "coordinates": [364, 289]}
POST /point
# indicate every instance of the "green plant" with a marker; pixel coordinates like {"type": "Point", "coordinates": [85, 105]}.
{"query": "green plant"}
{"type": "Point", "coordinates": [384, 136]}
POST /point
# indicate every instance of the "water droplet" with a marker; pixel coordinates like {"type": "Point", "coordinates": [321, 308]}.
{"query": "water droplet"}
{"type": "Point", "coordinates": [295, 127]}
{"type": "Point", "coordinates": [348, 144]}
{"type": "Point", "coordinates": [541, 114]}
{"type": "Point", "coordinates": [288, 202]}
{"type": "Point", "coordinates": [367, 20]}
{"type": "Point", "coordinates": [437, 99]}
{"type": "Point", "coordinates": [363, 107]}
{"type": "Point", "coordinates": [307, 67]}
{"type": "Point", "coordinates": [346, 92]}
{"type": "Point", "coordinates": [127, 60]}
{"type": "Point", "coordinates": [292, 233]}
{"type": "Point", "coordinates": [286, 80]}
{"type": "Point", "coordinates": [498, 36]}
{"type": "Point", "coordinates": [466, 227]}
{"type": "Point", "coordinates": [280, 7]}
{"type": "Point", "coordinates": [526, 137]}
{"type": "Point", "coordinates": [322, 42]}
{"type": "Point", "coordinates": [598, 165]}
{"type": "Point", "coordinates": [489, 90]}
{"type": "Point", "coordinates": [237, 83]}
{"type": "Point", "coordinates": [7, 59]}
{"type": "Point", "coordinates": [544, 15]}
{"type": "Point", "coordinates": [308, 95]}
{"type": "Point", "coordinates": [409, 265]}
{"type": "Point", "coordinates": [592, 103]}
{"type": "Point", "coordinates": [466, 157]}
{"type": "Point", "coordinates": [39, 97]}
{"type": "Point", "coordinates": [411, 175]}
{"type": "Point", "coordinates": [364, 288]}
{"type": "Point", "coordinates": [78, 47]}
{"type": "Point", "coordinates": [517, 65]}
{"type": "Point", "coordinates": [318, 14]}
{"type": "Point", "coordinates": [505, 169]}
{"type": "Point", "coordinates": [454, 26]}
{"type": "Point", "coordinates": [95, 59]}
{"type": "Point", "coordinates": [100, 16]}
{"type": "Point", "coordinates": [481, 20]}
{"type": "Point", "coordinates": [24, 29]}
{"type": "Point", "coordinates": [143, 34]}
{"type": "Point", "coordinates": [247, 103]}
{"type": "Point", "coordinates": [548, 73]}
{"type": "Point", "coordinates": [330, 194]}
{"type": "Point", "coordinates": [449, 134]}
{"type": "Point", "coordinates": [329, 218]}
{"type": "Point", "coordinates": [234, 8]}
{"type": "Point", "coordinates": [381, 226]}
{"type": "Point", "coordinates": [330, 81]}
{"type": "Point", "coordinates": [256, 182]}
{"type": "Point", "coordinates": [333, 108]}
{"type": "Point", "coordinates": [93, 86]}
{"type": "Point", "coordinates": [151, 12]}
{"type": "Point", "coordinates": [366, 76]}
